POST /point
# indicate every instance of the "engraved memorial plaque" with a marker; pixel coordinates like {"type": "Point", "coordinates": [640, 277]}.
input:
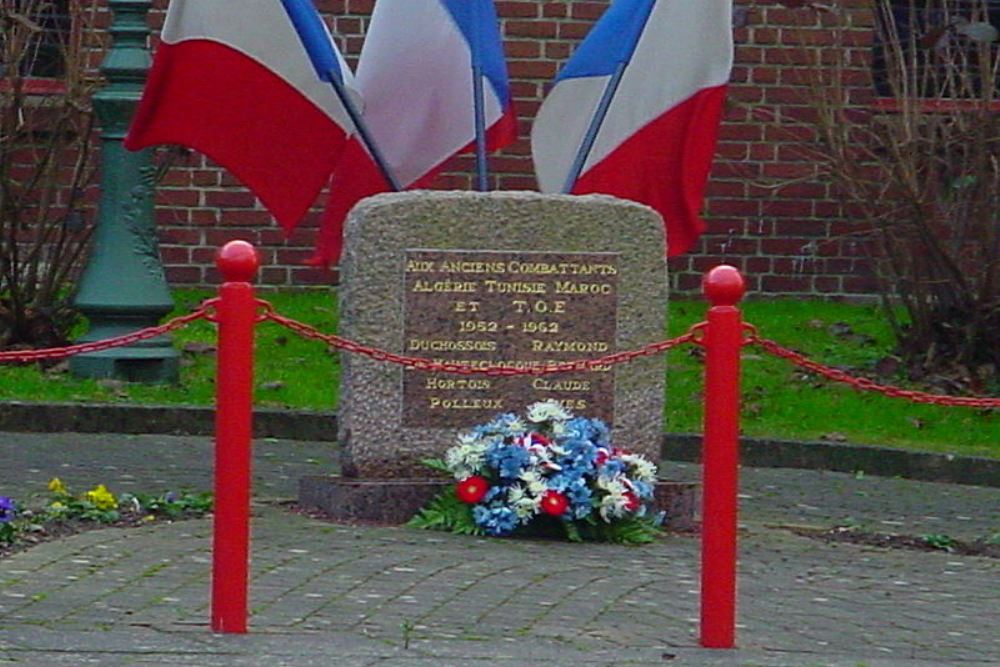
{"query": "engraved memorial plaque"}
{"type": "Point", "coordinates": [518, 309]}
{"type": "Point", "coordinates": [513, 278]}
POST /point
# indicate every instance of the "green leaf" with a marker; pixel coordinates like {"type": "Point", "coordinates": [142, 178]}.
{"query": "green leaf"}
{"type": "Point", "coordinates": [438, 465]}
{"type": "Point", "coordinates": [446, 512]}
{"type": "Point", "coordinates": [572, 531]}
{"type": "Point", "coordinates": [631, 531]}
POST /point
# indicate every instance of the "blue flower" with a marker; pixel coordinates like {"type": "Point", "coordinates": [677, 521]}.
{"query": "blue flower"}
{"type": "Point", "coordinates": [593, 430]}
{"type": "Point", "coordinates": [496, 492]}
{"type": "Point", "coordinates": [601, 434]}
{"type": "Point", "coordinates": [7, 509]}
{"type": "Point", "coordinates": [506, 424]}
{"type": "Point", "coordinates": [508, 460]}
{"type": "Point", "coordinates": [496, 521]}
{"type": "Point", "coordinates": [567, 478]}
{"type": "Point", "coordinates": [580, 453]}
{"type": "Point", "coordinates": [579, 495]}
{"type": "Point", "coordinates": [612, 468]}
{"type": "Point", "coordinates": [642, 489]}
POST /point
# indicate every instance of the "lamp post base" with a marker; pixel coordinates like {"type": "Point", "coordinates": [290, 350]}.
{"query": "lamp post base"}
{"type": "Point", "coordinates": [152, 361]}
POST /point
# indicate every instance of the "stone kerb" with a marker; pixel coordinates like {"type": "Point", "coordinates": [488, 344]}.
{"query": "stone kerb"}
{"type": "Point", "coordinates": [376, 444]}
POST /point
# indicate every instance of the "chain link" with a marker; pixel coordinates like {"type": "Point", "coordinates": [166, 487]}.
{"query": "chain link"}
{"type": "Point", "coordinates": [26, 356]}
{"type": "Point", "coordinates": [865, 384]}
{"type": "Point", "coordinates": [421, 364]}
{"type": "Point", "coordinates": [695, 336]}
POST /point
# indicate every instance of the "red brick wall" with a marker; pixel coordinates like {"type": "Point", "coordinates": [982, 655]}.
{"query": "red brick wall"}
{"type": "Point", "coordinates": [788, 240]}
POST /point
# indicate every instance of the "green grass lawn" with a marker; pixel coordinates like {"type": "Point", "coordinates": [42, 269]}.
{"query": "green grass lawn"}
{"type": "Point", "coordinates": [779, 400]}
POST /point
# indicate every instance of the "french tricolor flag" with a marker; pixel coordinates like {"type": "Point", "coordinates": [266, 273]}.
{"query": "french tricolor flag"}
{"type": "Point", "coordinates": [241, 83]}
{"type": "Point", "coordinates": [415, 75]}
{"type": "Point", "coordinates": [654, 74]}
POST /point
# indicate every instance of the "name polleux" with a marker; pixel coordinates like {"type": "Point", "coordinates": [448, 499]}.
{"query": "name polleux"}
{"type": "Point", "coordinates": [522, 310]}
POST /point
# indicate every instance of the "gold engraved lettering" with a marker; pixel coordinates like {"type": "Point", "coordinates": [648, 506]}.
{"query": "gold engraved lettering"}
{"type": "Point", "coordinates": [439, 286]}
{"type": "Point", "coordinates": [457, 266]}
{"type": "Point", "coordinates": [569, 287]}
{"type": "Point", "coordinates": [460, 384]}
{"type": "Point", "coordinates": [561, 268]}
{"type": "Point", "coordinates": [586, 346]}
{"type": "Point", "coordinates": [542, 384]}
{"type": "Point", "coordinates": [434, 345]}
{"type": "Point", "coordinates": [524, 306]}
{"type": "Point", "coordinates": [513, 287]}
{"type": "Point", "coordinates": [540, 327]}
{"type": "Point", "coordinates": [438, 403]}
{"type": "Point", "coordinates": [419, 266]}
{"type": "Point", "coordinates": [478, 326]}
{"type": "Point", "coordinates": [466, 307]}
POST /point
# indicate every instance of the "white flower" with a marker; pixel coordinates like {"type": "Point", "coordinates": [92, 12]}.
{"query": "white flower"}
{"type": "Point", "coordinates": [533, 482]}
{"type": "Point", "coordinates": [642, 469]}
{"type": "Point", "coordinates": [547, 411]}
{"type": "Point", "coordinates": [466, 459]}
{"type": "Point", "coordinates": [614, 503]}
{"type": "Point", "coordinates": [523, 504]}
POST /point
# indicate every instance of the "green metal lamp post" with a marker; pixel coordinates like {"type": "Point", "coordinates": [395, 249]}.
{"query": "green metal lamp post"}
{"type": "Point", "coordinates": [123, 287]}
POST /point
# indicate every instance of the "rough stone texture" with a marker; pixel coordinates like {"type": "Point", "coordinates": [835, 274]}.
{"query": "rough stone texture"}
{"type": "Point", "coordinates": [375, 444]}
{"type": "Point", "coordinates": [680, 501]}
{"type": "Point", "coordinates": [392, 501]}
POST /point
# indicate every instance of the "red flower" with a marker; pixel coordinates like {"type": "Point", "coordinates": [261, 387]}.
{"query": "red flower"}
{"type": "Point", "coordinates": [539, 439]}
{"type": "Point", "coordinates": [631, 501]}
{"type": "Point", "coordinates": [472, 489]}
{"type": "Point", "coordinates": [554, 503]}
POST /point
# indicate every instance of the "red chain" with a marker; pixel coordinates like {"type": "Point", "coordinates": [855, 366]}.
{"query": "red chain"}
{"type": "Point", "coordinates": [694, 335]}
{"type": "Point", "coordinates": [22, 356]}
{"type": "Point", "coordinates": [864, 383]}
{"type": "Point", "coordinates": [417, 363]}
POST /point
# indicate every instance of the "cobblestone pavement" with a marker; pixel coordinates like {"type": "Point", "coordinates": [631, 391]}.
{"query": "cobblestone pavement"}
{"type": "Point", "coordinates": [327, 594]}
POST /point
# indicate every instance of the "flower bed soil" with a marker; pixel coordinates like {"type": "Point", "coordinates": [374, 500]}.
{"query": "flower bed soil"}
{"type": "Point", "coordinates": [889, 541]}
{"type": "Point", "coordinates": [57, 530]}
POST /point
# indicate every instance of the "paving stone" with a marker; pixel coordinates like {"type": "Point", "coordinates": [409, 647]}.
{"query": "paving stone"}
{"type": "Point", "coordinates": [325, 594]}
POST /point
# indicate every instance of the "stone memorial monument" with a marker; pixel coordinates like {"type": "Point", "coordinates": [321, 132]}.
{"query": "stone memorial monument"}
{"type": "Point", "coordinates": [512, 279]}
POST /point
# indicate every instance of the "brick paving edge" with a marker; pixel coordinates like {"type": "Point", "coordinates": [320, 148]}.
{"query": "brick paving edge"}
{"type": "Point", "coordinates": [25, 417]}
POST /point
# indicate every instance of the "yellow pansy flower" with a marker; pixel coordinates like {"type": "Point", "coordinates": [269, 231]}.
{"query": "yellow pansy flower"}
{"type": "Point", "coordinates": [56, 486]}
{"type": "Point", "coordinates": [102, 498]}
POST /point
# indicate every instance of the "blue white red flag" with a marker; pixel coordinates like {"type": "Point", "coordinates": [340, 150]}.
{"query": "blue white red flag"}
{"type": "Point", "coordinates": [656, 143]}
{"type": "Point", "coordinates": [245, 83]}
{"type": "Point", "coordinates": [415, 77]}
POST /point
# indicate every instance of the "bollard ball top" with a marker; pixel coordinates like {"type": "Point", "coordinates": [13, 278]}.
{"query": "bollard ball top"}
{"type": "Point", "coordinates": [724, 285]}
{"type": "Point", "coordinates": [238, 262]}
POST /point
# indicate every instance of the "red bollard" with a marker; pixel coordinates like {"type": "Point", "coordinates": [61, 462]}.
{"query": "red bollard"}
{"type": "Point", "coordinates": [724, 288]}
{"type": "Point", "coordinates": [237, 313]}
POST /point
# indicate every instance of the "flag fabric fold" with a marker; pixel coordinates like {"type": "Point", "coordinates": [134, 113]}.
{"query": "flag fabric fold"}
{"type": "Point", "coordinates": [656, 143]}
{"type": "Point", "coordinates": [239, 83]}
{"type": "Point", "coordinates": [415, 76]}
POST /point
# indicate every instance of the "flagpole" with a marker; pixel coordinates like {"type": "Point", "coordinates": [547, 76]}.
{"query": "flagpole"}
{"type": "Point", "coordinates": [478, 102]}
{"type": "Point", "coordinates": [595, 126]}
{"type": "Point", "coordinates": [602, 109]}
{"type": "Point", "coordinates": [481, 166]}
{"type": "Point", "coordinates": [362, 128]}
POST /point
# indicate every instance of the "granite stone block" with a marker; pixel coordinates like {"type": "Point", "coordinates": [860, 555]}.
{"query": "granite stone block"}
{"type": "Point", "coordinates": [383, 231]}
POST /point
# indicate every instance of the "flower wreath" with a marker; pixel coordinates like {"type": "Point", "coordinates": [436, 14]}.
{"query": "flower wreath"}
{"type": "Point", "coordinates": [549, 471]}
